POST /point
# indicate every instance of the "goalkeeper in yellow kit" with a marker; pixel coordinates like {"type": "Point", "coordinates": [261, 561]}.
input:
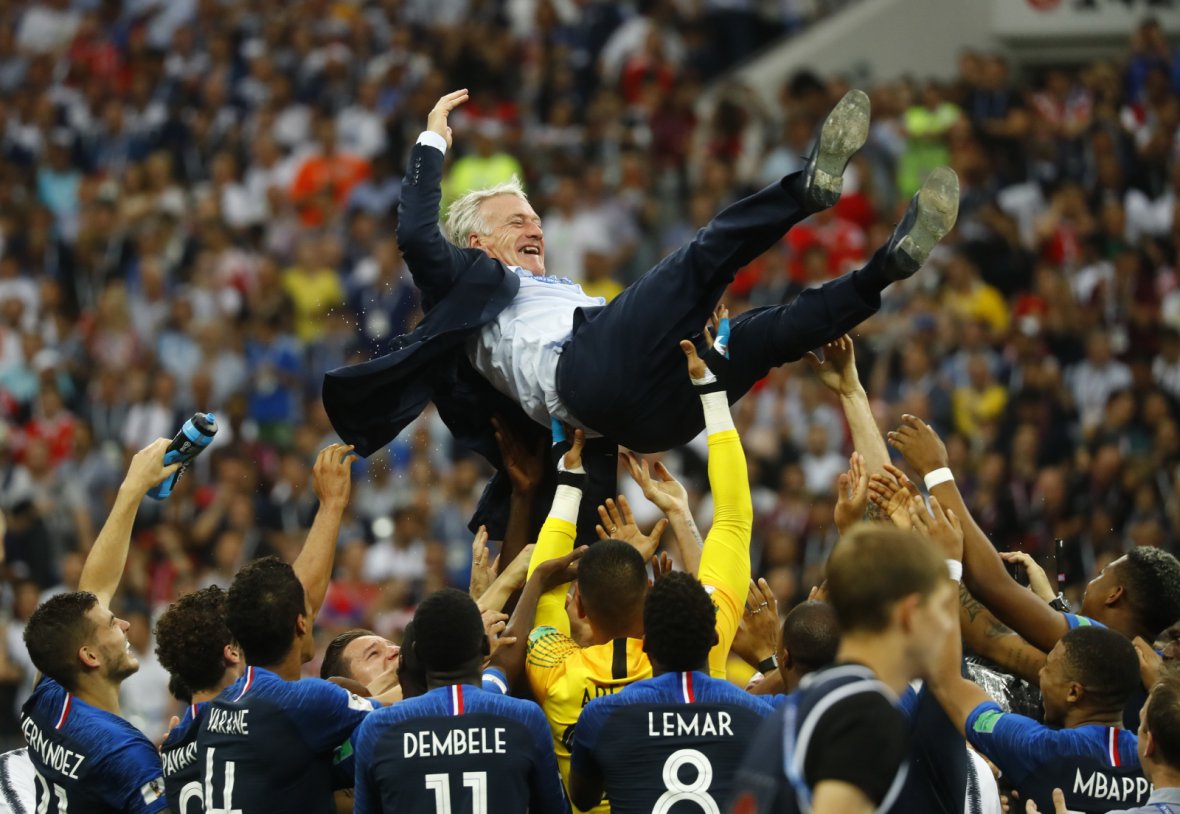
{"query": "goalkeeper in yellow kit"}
{"type": "Point", "coordinates": [612, 576]}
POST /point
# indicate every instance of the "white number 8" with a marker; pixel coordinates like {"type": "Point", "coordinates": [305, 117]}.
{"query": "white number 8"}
{"type": "Point", "coordinates": [695, 792]}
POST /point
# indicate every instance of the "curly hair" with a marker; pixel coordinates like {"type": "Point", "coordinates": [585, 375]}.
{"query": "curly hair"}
{"type": "Point", "coordinates": [1152, 578]}
{"type": "Point", "coordinates": [55, 632]}
{"type": "Point", "coordinates": [191, 637]}
{"type": "Point", "coordinates": [261, 609]}
{"type": "Point", "coordinates": [679, 623]}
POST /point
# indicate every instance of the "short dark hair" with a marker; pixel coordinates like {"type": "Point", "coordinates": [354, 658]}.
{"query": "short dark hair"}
{"type": "Point", "coordinates": [449, 631]}
{"type": "Point", "coordinates": [1151, 577]}
{"type": "Point", "coordinates": [811, 635]}
{"type": "Point", "coordinates": [679, 623]}
{"type": "Point", "coordinates": [1104, 662]}
{"type": "Point", "coordinates": [1163, 717]}
{"type": "Point", "coordinates": [262, 606]}
{"type": "Point", "coordinates": [55, 632]}
{"type": "Point", "coordinates": [612, 581]}
{"type": "Point", "coordinates": [874, 566]}
{"type": "Point", "coordinates": [191, 637]}
{"type": "Point", "coordinates": [334, 663]}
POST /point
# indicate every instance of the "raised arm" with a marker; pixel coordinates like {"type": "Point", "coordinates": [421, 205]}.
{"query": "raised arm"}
{"type": "Point", "coordinates": [433, 262]}
{"type": "Point", "coordinates": [525, 466]}
{"type": "Point", "coordinates": [108, 556]}
{"type": "Point", "coordinates": [558, 533]}
{"type": "Point", "coordinates": [984, 573]}
{"type": "Point", "coordinates": [838, 373]}
{"type": "Point", "coordinates": [547, 576]}
{"type": "Point", "coordinates": [332, 475]}
{"type": "Point", "coordinates": [725, 557]}
{"type": "Point", "coordinates": [670, 497]}
{"type": "Point", "coordinates": [995, 641]}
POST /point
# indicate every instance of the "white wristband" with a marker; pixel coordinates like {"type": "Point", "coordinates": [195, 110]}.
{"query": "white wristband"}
{"type": "Point", "coordinates": [566, 502]}
{"type": "Point", "coordinates": [955, 569]}
{"type": "Point", "coordinates": [718, 418]}
{"type": "Point", "coordinates": [938, 476]}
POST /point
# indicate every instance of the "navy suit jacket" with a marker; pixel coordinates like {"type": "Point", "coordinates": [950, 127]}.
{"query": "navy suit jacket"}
{"type": "Point", "coordinates": [462, 290]}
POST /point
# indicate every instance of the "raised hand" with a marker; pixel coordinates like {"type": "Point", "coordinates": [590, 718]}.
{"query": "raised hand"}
{"type": "Point", "coordinates": [1038, 580]}
{"type": "Point", "coordinates": [891, 493]}
{"type": "Point", "coordinates": [559, 570]}
{"type": "Point", "coordinates": [697, 369]}
{"type": "Point", "coordinates": [942, 527]}
{"type": "Point", "coordinates": [837, 371]}
{"type": "Point", "coordinates": [919, 444]}
{"type": "Point", "coordinates": [147, 468]}
{"type": "Point", "coordinates": [483, 570]}
{"type": "Point", "coordinates": [618, 523]}
{"type": "Point", "coordinates": [667, 493]}
{"type": "Point", "coordinates": [436, 122]}
{"type": "Point", "coordinates": [573, 457]}
{"type": "Point", "coordinates": [852, 493]}
{"type": "Point", "coordinates": [1150, 662]}
{"type": "Point", "coordinates": [332, 475]}
{"type": "Point", "coordinates": [661, 566]}
{"type": "Point", "coordinates": [525, 467]}
{"type": "Point", "coordinates": [758, 634]}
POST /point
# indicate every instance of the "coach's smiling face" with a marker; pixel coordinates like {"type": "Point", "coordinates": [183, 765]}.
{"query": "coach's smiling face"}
{"type": "Point", "coordinates": [514, 236]}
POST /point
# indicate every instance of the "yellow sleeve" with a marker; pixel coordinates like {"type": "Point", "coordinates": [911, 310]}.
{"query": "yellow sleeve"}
{"type": "Point", "coordinates": [725, 558]}
{"type": "Point", "coordinates": [547, 649]}
{"type": "Point", "coordinates": [556, 540]}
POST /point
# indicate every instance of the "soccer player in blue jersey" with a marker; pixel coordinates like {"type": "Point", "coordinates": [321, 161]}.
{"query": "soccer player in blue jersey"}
{"type": "Point", "coordinates": [1081, 748]}
{"type": "Point", "coordinates": [1138, 594]}
{"type": "Point", "coordinates": [267, 743]}
{"type": "Point", "coordinates": [88, 760]}
{"type": "Point", "coordinates": [676, 737]}
{"type": "Point", "coordinates": [196, 648]}
{"type": "Point", "coordinates": [195, 645]}
{"type": "Point", "coordinates": [457, 748]}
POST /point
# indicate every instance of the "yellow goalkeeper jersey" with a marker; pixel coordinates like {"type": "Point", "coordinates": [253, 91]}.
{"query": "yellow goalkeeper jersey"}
{"type": "Point", "coordinates": [565, 677]}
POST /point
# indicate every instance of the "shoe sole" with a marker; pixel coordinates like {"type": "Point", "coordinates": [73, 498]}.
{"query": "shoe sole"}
{"type": "Point", "coordinates": [844, 131]}
{"type": "Point", "coordinates": [938, 207]}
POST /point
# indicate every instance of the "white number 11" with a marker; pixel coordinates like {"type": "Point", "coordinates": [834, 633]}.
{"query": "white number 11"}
{"type": "Point", "coordinates": [440, 784]}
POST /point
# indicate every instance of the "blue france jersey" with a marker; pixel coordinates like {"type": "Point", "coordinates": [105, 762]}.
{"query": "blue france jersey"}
{"type": "Point", "coordinates": [1096, 766]}
{"type": "Point", "coordinates": [88, 760]}
{"type": "Point", "coordinates": [266, 745]}
{"type": "Point", "coordinates": [182, 771]}
{"type": "Point", "coordinates": [455, 749]}
{"type": "Point", "coordinates": [676, 737]}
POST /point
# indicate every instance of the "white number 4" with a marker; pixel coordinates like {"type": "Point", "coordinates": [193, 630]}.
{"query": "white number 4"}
{"type": "Point", "coordinates": [440, 784]}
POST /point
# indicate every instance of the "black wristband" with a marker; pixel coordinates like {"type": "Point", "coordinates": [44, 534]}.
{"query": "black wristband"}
{"type": "Point", "coordinates": [768, 664]}
{"type": "Point", "coordinates": [574, 479]}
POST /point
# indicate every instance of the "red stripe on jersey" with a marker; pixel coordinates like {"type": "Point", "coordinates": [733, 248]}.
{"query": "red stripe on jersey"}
{"type": "Point", "coordinates": [194, 712]}
{"type": "Point", "coordinates": [457, 699]}
{"type": "Point", "coordinates": [686, 686]}
{"type": "Point", "coordinates": [65, 712]}
{"type": "Point", "coordinates": [246, 687]}
{"type": "Point", "coordinates": [1114, 748]}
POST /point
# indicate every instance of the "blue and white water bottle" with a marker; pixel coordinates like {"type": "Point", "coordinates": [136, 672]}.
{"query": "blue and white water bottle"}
{"type": "Point", "coordinates": [196, 434]}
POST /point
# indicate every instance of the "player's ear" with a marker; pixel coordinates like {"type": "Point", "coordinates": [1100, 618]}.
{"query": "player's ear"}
{"type": "Point", "coordinates": [903, 612]}
{"type": "Point", "coordinates": [578, 602]}
{"type": "Point", "coordinates": [474, 241]}
{"type": "Point", "coordinates": [1075, 693]}
{"type": "Point", "coordinates": [231, 654]}
{"type": "Point", "coordinates": [1115, 593]}
{"type": "Point", "coordinates": [89, 657]}
{"type": "Point", "coordinates": [1149, 745]}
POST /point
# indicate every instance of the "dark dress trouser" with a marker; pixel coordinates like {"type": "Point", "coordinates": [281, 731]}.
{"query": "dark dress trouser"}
{"type": "Point", "coordinates": [623, 373]}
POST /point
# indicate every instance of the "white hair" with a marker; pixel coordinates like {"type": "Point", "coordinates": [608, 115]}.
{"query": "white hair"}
{"type": "Point", "coordinates": [463, 217]}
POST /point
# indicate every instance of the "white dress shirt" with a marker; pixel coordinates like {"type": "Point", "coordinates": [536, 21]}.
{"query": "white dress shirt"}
{"type": "Point", "coordinates": [518, 351]}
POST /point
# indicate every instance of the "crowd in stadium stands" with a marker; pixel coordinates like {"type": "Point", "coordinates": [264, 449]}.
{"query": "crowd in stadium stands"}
{"type": "Point", "coordinates": [196, 213]}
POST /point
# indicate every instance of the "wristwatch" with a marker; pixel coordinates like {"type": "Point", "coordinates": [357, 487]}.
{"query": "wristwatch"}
{"type": "Point", "coordinates": [1060, 603]}
{"type": "Point", "coordinates": [768, 664]}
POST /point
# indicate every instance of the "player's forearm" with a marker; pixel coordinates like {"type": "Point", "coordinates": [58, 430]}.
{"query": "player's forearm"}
{"type": "Point", "coordinates": [314, 564]}
{"type": "Point", "coordinates": [988, 580]}
{"type": "Point", "coordinates": [516, 532]}
{"type": "Point", "coordinates": [509, 658]}
{"type": "Point", "coordinates": [688, 540]}
{"type": "Point", "coordinates": [993, 640]}
{"type": "Point", "coordinates": [108, 556]}
{"type": "Point", "coordinates": [556, 540]}
{"type": "Point", "coordinates": [866, 436]}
